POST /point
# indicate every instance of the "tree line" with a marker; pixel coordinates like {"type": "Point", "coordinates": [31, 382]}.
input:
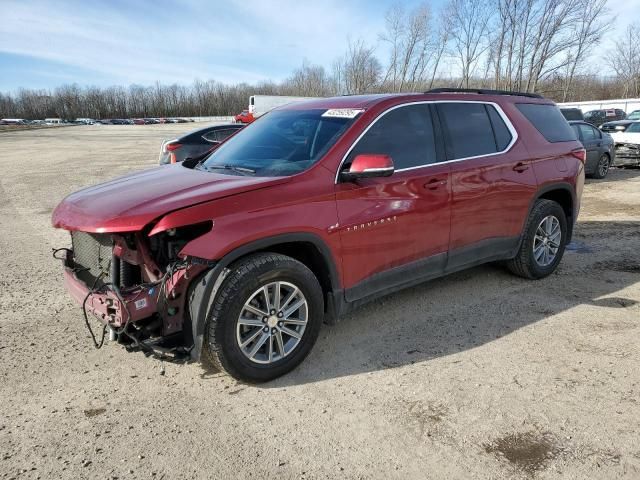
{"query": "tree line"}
{"type": "Point", "coordinates": [544, 46]}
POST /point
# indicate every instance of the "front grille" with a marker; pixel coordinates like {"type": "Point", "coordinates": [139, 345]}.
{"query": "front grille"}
{"type": "Point", "coordinates": [92, 257]}
{"type": "Point", "coordinates": [608, 128]}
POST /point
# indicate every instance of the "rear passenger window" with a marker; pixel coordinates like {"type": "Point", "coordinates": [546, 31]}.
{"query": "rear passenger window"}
{"type": "Point", "coordinates": [548, 121]}
{"type": "Point", "coordinates": [587, 132]}
{"type": "Point", "coordinates": [405, 134]}
{"type": "Point", "coordinates": [469, 131]}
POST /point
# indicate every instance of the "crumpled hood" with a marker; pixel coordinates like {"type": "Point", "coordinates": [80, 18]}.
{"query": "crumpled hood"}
{"type": "Point", "coordinates": [626, 137]}
{"type": "Point", "coordinates": [129, 203]}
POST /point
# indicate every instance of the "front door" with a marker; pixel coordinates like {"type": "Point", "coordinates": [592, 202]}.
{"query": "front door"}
{"type": "Point", "coordinates": [395, 230]}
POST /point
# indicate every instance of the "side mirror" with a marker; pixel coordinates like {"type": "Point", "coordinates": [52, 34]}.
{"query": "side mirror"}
{"type": "Point", "coordinates": [368, 165]}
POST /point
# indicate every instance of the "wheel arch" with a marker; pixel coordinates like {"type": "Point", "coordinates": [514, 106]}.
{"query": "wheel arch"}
{"type": "Point", "coordinates": [305, 247]}
{"type": "Point", "coordinates": [563, 194]}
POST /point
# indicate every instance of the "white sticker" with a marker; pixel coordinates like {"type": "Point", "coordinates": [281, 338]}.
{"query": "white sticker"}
{"type": "Point", "coordinates": [141, 303]}
{"type": "Point", "coordinates": [342, 112]}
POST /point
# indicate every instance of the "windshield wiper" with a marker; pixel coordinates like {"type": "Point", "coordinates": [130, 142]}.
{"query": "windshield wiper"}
{"type": "Point", "coordinates": [232, 168]}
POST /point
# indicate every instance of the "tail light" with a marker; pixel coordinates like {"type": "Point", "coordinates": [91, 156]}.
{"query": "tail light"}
{"type": "Point", "coordinates": [580, 154]}
{"type": "Point", "coordinates": [172, 146]}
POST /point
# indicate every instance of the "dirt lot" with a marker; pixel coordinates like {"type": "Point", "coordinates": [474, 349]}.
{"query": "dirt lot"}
{"type": "Point", "coordinates": [478, 375]}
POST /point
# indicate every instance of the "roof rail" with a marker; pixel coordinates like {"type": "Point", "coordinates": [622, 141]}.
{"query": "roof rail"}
{"type": "Point", "coordinates": [483, 91]}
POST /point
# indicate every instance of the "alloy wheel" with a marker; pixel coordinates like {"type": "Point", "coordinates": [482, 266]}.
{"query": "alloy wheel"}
{"type": "Point", "coordinates": [546, 241]}
{"type": "Point", "coordinates": [272, 322]}
{"type": "Point", "coordinates": [603, 165]}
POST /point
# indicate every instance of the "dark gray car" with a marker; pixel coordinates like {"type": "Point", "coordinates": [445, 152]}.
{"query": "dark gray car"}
{"type": "Point", "coordinates": [196, 142]}
{"type": "Point", "coordinates": [599, 147]}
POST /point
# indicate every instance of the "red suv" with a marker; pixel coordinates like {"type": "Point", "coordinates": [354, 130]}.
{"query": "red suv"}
{"type": "Point", "coordinates": [314, 209]}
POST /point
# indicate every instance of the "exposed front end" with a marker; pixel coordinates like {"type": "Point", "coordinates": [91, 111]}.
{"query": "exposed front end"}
{"type": "Point", "coordinates": [136, 286]}
{"type": "Point", "coordinates": [627, 154]}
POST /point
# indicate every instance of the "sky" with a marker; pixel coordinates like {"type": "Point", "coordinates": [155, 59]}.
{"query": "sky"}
{"type": "Point", "coordinates": [120, 42]}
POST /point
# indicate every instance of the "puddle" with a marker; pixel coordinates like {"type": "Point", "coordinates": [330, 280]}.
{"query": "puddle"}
{"type": "Point", "coordinates": [578, 247]}
{"type": "Point", "coordinates": [527, 451]}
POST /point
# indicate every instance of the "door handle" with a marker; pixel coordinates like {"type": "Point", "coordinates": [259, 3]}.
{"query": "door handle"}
{"type": "Point", "coordinates": [520, 167]}
{"type": "Point", "coordinates": [434, 183]}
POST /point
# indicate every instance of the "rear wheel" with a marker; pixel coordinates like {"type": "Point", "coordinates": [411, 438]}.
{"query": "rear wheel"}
{"type": "Point", "coordinates": [543, 242]}
{"type": "Point", "coordinates": [603, 167]}
{"type": "Point", "coordinates": [265, 318]}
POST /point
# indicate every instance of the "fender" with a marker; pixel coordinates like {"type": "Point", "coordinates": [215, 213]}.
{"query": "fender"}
{"type": "Point", "coordinates": [203, 289]}
{"type": "Point", "coordinates": [548, 188]}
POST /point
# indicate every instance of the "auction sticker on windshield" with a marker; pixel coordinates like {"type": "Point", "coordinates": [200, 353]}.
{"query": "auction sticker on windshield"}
{"type": "Point", "coordinates": [342, 112]}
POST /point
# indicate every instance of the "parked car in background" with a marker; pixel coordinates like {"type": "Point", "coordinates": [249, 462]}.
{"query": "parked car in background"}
{"type": "Point", "coordinates": [315, 210]}
{"type": "Point", "coordinates": [598, 117]}
{"type": "Point", "coordinates": [138, 121]}
{"type": "Point", "coordinates": [635, 115]}
{"type": "Point", "coordinates": [244, 117]}
{"type": "Point", "coordinates": [627, 146]}
{"type": "Point", "coordinates": [14, 121]}
{"type": "Point", "coordinates": [613, 128]}
{"type": "Point", "coordinates": [599, 147]}
{"type": "Point", "coordinates": [151, 121]}
{"type": "Point", "coordinates": [572, 113]}
{"type": "Point", "coordinates": [196, 143]}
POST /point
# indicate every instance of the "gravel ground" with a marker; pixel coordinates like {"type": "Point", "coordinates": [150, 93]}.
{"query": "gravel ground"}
{"type": "Point", "coordinates": [477, 375]}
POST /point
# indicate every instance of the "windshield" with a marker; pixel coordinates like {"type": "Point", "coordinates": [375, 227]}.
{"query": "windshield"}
{"type": "Point", "coordinates": [634, 127]}
{"type": "Point", "coordinates": [635, 115]}
{"type": "Point", "coordinates": [281, 143]}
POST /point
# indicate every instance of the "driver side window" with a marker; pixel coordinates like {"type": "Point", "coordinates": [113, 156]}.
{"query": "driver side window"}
{"type": "Point", "coordinates": [405, 134]}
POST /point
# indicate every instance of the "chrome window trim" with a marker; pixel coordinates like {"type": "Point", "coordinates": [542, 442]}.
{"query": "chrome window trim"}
{"type": "Point", "coordinates": [505, 119]}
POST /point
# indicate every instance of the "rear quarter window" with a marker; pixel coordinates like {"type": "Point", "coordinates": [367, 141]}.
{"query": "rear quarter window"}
{"type": "Point", "coordinates": [548, 120]}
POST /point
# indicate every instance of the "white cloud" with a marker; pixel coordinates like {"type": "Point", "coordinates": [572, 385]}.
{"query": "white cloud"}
{"type": "Point", "coordinates": [144, 42]}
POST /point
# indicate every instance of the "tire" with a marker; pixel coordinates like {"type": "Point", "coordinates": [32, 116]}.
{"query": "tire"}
{"type": "Point", "coordinates": [242, 294]}
{"type": "Point", "coordinates": [602, 168]}
{"type": "Point", "coordinates": [525, 263]}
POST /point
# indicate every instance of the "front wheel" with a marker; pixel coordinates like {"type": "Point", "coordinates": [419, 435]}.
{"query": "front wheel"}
{"type": "Point", "coordinates": [543, 243]}
{"type": "Point", "coordinates": [265, 318]}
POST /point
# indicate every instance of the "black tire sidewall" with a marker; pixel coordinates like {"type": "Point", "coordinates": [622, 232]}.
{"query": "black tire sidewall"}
{"type": "Point", "coordinates": [224, 331]}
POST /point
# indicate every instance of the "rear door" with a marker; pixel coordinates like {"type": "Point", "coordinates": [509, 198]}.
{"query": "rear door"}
{"type": "Point", "coordinates": [395, 230]}
{"type": "Point", "coordinates": [492, 181]}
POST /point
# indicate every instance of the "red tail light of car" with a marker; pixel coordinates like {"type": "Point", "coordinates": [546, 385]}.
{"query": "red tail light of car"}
{"type": "Point", "coordinates": [171, 147]}
{"type": "Point", "coordinates": [580, 154]}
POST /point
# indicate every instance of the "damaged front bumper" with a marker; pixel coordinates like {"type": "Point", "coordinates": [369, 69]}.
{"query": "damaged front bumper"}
{"type": "Point", "coordinates": [627, 154]}
{"type": "Point", "coordinates": [150, 314]}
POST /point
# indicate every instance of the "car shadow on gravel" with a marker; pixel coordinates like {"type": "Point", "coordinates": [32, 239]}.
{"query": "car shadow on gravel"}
{"type": "Point", "coordinates": [474, 307]}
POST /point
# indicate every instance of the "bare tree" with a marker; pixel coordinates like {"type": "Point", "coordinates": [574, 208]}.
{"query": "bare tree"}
{"type": "Point", "coordinates": [587, 32]}
{"type": "Point", "coordinates": [625, 61]}
{"type": "Point", "coordinates": [358, 71]}
{"type": "Point", "coordinates": [469, 32]}
{"type": "Point", "coordinates": [309, 81]}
